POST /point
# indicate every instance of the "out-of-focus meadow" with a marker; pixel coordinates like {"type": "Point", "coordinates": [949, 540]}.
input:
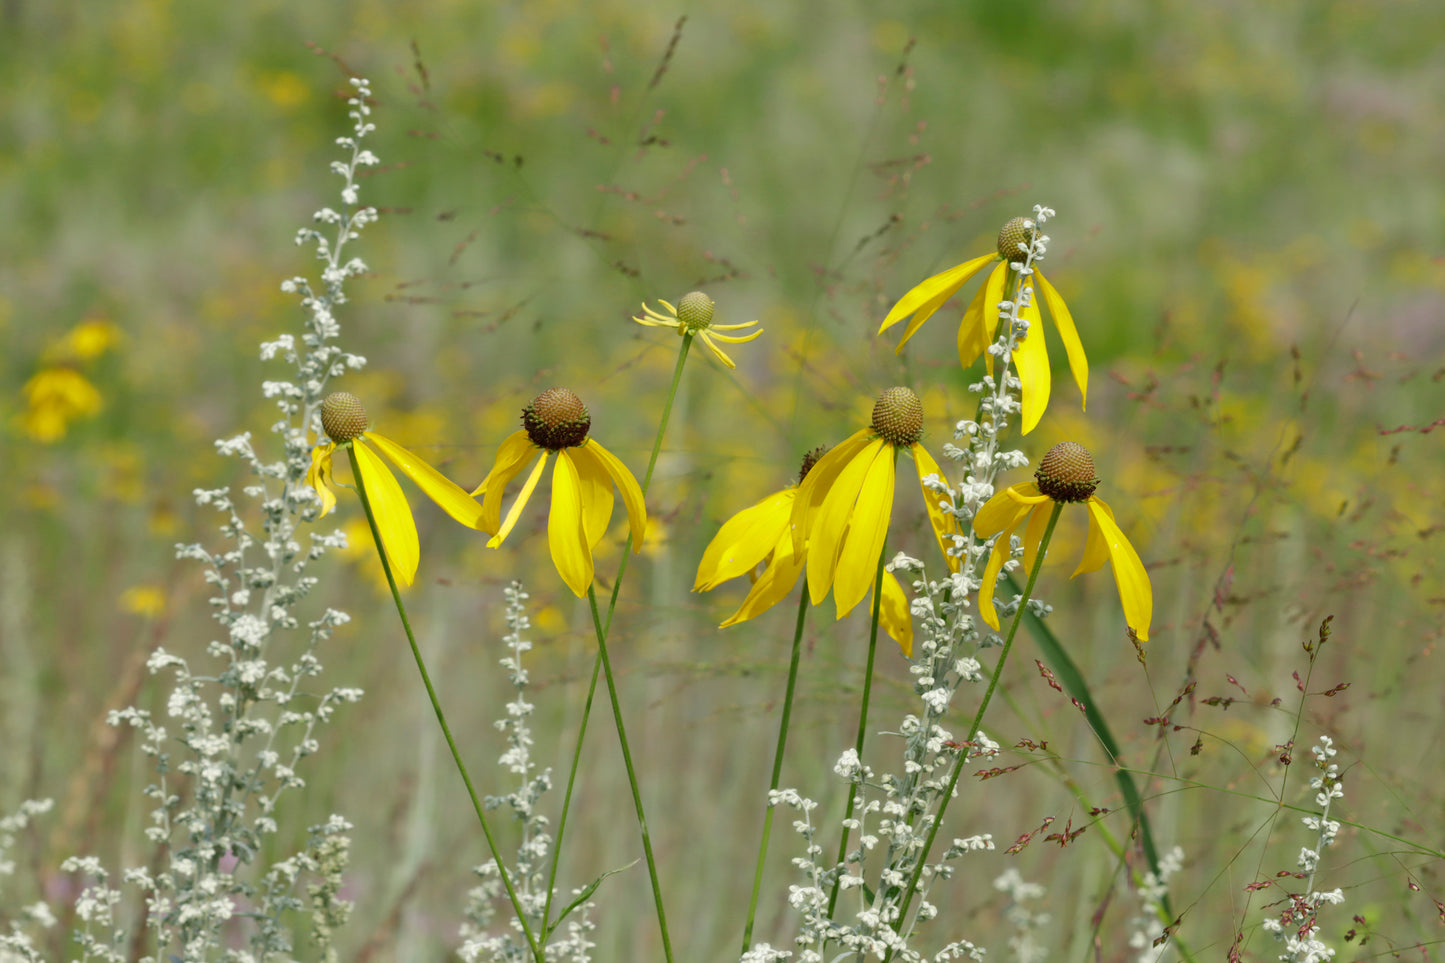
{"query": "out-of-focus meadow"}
{"type": "Point", "coordinates": [1251, 235]}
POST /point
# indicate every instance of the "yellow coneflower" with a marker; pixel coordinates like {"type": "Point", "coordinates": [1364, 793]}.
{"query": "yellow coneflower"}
{"type": "Point", "coordinates": [976, 330]}
{"type": "Point", "coordinates": [842, 508]}
{"type": "Point", "coordinates": [1065, 474]}
{"type": "Point", "coordinates": [761, 534]}
{"type": "Point", "coordinates": [556, 423]}
{"type": "Point", "coordinates": [344, 420]}
{"type": "Point", "coordinates": [694, 313]}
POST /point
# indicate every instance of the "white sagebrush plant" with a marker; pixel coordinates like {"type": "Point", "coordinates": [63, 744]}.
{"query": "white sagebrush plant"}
{"type": "Point", "coordinates": [235, 733]}
{"type": "Point", "coordinates": [532, 871]}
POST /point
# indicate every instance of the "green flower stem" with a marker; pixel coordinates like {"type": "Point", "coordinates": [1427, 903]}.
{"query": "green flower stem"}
{"type": "Point", "coordinates": [567, 796]}
{"type": "Point", "coordinates": [977, 720]}
{"type": "Point", "coordinates": [777, 764]}
{"type": "Point", "coordinates": [537, 950]}
{"type": "Point", "coordinates": [631, 773]}
{"type": "Point", "coordinates": [862, 723]}
{"type": "Point", "coordinates": [602, 628]}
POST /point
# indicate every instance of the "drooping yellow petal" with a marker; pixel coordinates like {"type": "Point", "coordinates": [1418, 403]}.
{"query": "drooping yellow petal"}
{"type": "Point", "coordinates": [1129, 575]}
{"type": "Point", "coordinates": [513, 455]}
{"type": "Point", "coordinates": [718, 353]}
{"type": "Point", "coordinates": [520, 502]}
{"type": "Point", "coordinates": [596, 492]}
{"type": "Point", "coordinates": [820, 479]}
{"type": "Point", "coordinates": [926, 311]}
{"type": "Point", "coordinates": [1064, 321]}
{"type": "Point", "coordinates": [1031, 358]}
{"type": "Point", "coordinates": [318, 476]}
{"type": "Point", "coordinates": [566, 535]}
{"type": "Point", "coordinates": [826, 531]}
{"type": "Point", "coordinates": [944, 524]}
{"type": "Point", "coordinates": [1033, 535]}
{"type": "Point", "coordinates": [894, 616]}
{"type": "Point", "coordinates": [773, 585]}
{"type": "Point", "coordinates": [393, 515]}
{"type": "Point", "coordinates": [745, 540]}
{"type": "Point", "coordinates": [440, 489]}
{"type": "Point", "coordinates": [1002, 548]}
{"type": "Point", "coordinates": [1096, 552]}
{"type": "Point", "coordinates": [627, 485]}
{"type": "Point", "coordinates": [1006, 508]}
{"type": "Point", "coordinates": [984, 324]}
{"type": "Point", "coordinates": [929, 295]}
{"type": "Point", "coordinates": [867, 529]}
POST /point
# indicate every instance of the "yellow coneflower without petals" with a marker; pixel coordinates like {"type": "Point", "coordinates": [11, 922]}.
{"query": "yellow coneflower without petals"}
{"type": "Point", "coordinates": [976, 330]}
{"type": "Point", "coordinates": [1065, 474]}
{"type": "Point", "coordinates": [557, 423]}
{"type": "Point", "coordinates": [344, 420]}
{"type": "Point", "coordinates": [694, 314]}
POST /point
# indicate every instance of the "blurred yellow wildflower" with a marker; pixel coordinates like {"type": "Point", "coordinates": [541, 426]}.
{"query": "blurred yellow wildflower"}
{"type": "Point", "coordinates": [842, 508]}
{"type": "Point", "coordinates": [86, 341]}
{"type": "Point", "coordinates": [344, 419]}
{"type": "Point", "coordinates": [1065, 474]}
{"type": "Point", "coordinates": [694, 314]}
{"type": "Point", "coordinates": [761, 534]}
{"type": "Point", "coordinates": [147, 601]}
{"type": "Point", "coordinates": [976, 330]}
{"type": "Point", "coordinates": [54, 397]}
{"type": "Point", "coordinates": [556, 423]}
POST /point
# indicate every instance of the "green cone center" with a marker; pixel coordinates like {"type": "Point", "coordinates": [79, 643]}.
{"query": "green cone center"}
{"type": "Point", "coordinates": [1066, 473]}
{"type": "Point", "coordinates": [342, 416]}
{"type": "Point", "coordinates": [695, 311]}
{"type": "Point", "coordinates": [1018, 231]}
{"type": "Point", "coordinates": [898, 417]}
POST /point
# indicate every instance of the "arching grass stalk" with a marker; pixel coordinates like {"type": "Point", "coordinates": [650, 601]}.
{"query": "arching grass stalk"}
{"type": "Point", "coordinates": [778, 761]}
{"type": "Point", "coordinates": [602, 662]}
{"type": "Point", "coordinates": [532, 943]}
{"type": "Point", "coordinates": [862, 725]}
{"type": "Point", "coordinates": [977, 721]}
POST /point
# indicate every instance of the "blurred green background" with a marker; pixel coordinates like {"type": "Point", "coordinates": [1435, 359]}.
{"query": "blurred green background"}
{"type": "Point", "coordinates": [1250, 236]}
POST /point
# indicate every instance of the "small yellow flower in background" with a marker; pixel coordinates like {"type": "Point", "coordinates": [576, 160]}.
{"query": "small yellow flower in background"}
{"type": "Point", "coordinates": [344, 419]}
{"type": "Point", "coordinates": [58, 393]}
{"type": "Point", "coordinates": [842, 508]}
{"type": "Point", "coordinates": [1065, 474]}
{"type": "Point", "coordinates": [761, 533]}
{"type": "Point", "coordinates": [147, 601]}
{"type": "Point", "coordinates": [86, 341]}
{"type": "Point", "coordinates": [54, 397]}
{"type": "Point", "coordinates": [694, 313]}
{"type": "Point", "coordinates": [556, 423]}
{"type": "Point", "coordinates": [976, 330]}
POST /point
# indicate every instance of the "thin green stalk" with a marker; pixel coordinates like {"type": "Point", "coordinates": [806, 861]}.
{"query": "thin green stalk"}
{"type": "Point", "coordinates": [598, 663]}
{"type": "Point", "coordinates": [537, 950]}
{"type": "Point", "coordinates": [862, 725]}
{"type": "Point", "coordinates": [567, 796]}
{"type": "Point", "coordinates": [631, 773]}
{"type": "Point", "coordinates": [777, 764]}
{"type": "Point", "coordinates": [977, 720]}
